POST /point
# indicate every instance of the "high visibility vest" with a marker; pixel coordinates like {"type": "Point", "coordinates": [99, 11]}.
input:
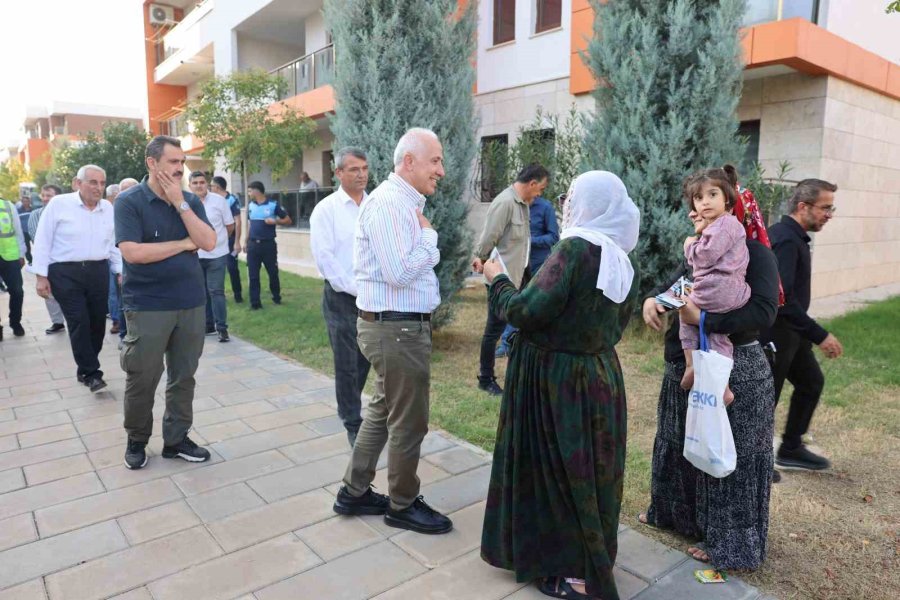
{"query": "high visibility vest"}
{"type": "Point", "coordinates": [9, 245]}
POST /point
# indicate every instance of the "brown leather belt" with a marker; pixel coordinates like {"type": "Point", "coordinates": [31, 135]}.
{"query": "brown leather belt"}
{"type": "Point", "coordinates": [390, 315]}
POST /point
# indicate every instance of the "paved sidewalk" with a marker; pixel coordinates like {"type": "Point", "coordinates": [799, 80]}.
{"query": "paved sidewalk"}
{"type": "Point", "coordinates": [254, 523]}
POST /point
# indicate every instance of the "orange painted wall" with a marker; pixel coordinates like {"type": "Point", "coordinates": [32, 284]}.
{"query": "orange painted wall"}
{"type": "Point", "coordinates": [314, 103]}
{"type": "Point", "coordinates": [38, 154]}
{"type": "Point", "coordinates": [161, 99]}
{"type": "Point", "coordinates": [795, 42]}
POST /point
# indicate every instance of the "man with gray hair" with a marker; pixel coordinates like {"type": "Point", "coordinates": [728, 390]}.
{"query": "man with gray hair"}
{"type": "Point", "coordinates": [331, 230]}
{"type": "Point", "coordinates": [395, 253]}
{"type": "Point", "coordinates": [57, 319]}
{"type": "Point", "coordinates": [74, 253]}
{"type": "Point", "coordinates": [127, 183]}
{"type": "Point", "coordinates": [794, 331]}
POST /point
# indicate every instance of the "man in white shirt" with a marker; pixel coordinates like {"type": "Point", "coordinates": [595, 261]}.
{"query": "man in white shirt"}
{"type": "Point", "coordinates": [331, 230]}
{"type": "Point", "coordinates": [74, 253]}
{"type": "Point", "coordinates": [395, 252]}
{"type": "Point", "coordinates": [214, 263]}
{"type": "Point", "coordinates": [308, 187]}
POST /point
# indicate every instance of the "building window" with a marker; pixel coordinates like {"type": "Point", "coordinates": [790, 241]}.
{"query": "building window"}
{"type": "Point", "coordinates": [504, 21]}
{"type": "Point", "coordinates": [494, 165]}
{"type": "Point", "coordinates": [549, 15]}
{"type": "Point", "coordinates": [749, 130]}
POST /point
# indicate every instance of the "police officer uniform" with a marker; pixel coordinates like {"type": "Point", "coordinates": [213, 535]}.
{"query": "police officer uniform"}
{"type": "Point", "coordinates": [12, 249]}
{"type": "Point", "coordinates": [262, 249]}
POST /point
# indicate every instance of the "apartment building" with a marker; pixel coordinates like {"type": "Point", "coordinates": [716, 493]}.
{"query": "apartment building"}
{"type": "Point", "coordinates": [822, 91]}
{"type": "Point", "coordinates": [64, 122]}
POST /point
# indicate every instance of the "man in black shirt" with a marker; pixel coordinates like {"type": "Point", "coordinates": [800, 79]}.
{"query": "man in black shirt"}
{"type": "Point", "coordinates": [794, 331]}
{"type": "Point", "coordinates": [159, 229]}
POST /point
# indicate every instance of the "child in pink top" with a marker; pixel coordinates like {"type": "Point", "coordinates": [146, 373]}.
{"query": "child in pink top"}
{"type": "Point", "coordinates": [718, 257]}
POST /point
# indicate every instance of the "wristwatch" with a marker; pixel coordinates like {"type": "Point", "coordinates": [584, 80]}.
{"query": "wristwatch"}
{"type": "Point", "coordinates": [184, 206]}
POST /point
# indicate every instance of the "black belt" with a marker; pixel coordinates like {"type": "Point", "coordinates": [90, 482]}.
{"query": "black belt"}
{"type": "Point", "coordinates": [390, 315]}
{"type": "Point", "coordinates": [81, 263]}
{"type": "Point", "coordinates": [260, 240]}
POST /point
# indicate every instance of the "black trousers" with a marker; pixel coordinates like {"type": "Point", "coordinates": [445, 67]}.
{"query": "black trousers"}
{"type": "Point", "coordinates": [794, 361]}
{"type": "Point", "coordinates": [82, 290]}
{"type": "Point", "coordinates": [493, 329]}
{"type": "Point", "coordinates": [234, 272]}
{"type": "Point", "coordinates": [263, 252]}
{"type": "Point", "coordinates": [11, 274]}
{"type": "Point", "coordinates": [350, 366]}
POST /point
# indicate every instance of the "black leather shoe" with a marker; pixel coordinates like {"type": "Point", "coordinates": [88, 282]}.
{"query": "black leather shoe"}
{"type": "Point", "coordinates": [490, 386]}
{"type": "Point", "coordinates": [95, 383]}
{"type": "Point", "coordinates": [238, 298]}
{"type": "Point", "coordinates": [55, 328]}
{"type": "Point", "coordinates": [370, 503]}
{"type": "Point", "coordinates": [136, 455]}
{"type": "Point", "coordinates": [1, 333]}
{"type": "Point", "coordinates": [418, 517]}
{"type": "Point", "coordinates": [776, 476]}
{"type": "Point", "coordinates": [276, 301]}
{"type": "Point", "coordinates": [256, 307]}
{"type": "Point", "coordinates": [223, 336]}
{"type": "Point", "coordinates": [18, 330]}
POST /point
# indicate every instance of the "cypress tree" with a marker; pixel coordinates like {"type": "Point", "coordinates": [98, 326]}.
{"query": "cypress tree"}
{"type": "Point", "coordinates": [671, 77]}
{"type": "Point", "coordinates": [402, 64]}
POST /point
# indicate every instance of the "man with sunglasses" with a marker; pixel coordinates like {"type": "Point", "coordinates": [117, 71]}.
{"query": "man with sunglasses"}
{"type": "Point", "coordinates": [794, 332]}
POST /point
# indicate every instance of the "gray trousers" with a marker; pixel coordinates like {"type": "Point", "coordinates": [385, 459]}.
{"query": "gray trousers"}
{"type": "Point", "coordinates": [400, 353]}
{"type": "Point", "coordinates": [350, 366]}
{"type": "Point", "coordinates": [177, 336]}
{"type": "Point", "coordinates": [56, 313]}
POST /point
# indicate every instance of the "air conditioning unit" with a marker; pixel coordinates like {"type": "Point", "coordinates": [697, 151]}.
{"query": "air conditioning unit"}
{"type": "Point", "coordinates": [162, 15]}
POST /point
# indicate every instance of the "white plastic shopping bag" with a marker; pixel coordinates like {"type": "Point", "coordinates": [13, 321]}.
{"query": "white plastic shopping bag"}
{"type": "Point", "coordinates": [708, 443]}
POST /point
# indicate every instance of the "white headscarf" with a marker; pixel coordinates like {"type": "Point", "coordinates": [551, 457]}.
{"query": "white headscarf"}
{"type": "Point", "coordinates": [598, 210]}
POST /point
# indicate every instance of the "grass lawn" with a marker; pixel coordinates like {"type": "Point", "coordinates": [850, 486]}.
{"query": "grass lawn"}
{"type": "Point", "coordinates": [832, 535]}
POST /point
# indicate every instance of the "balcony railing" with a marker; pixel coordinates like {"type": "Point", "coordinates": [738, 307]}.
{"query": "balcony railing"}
{"type": "Point", "coordinates": [764, 11]}
{"type": "Point", "coordinates": [174, 40]}
{"type": "Point", "coordinates": [299, 204]}
{"type": "Point", "coordinates": [308, 72]}
{"type": "Point", "coordinates": [176, 126]}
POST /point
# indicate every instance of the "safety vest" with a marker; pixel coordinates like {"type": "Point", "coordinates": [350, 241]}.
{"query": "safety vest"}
{"type": "Point", "coordinates": [9, 245]}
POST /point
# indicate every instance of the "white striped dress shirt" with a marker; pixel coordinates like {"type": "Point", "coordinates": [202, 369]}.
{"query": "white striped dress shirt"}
{"type": "Point", "coordinates": [393, 257]}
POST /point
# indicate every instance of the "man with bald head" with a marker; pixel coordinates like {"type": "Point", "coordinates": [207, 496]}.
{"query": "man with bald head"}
{"type": "Point", "coordinates": [127, 183]}
{"type": "Point", "coordinates": [74, 253]}
{"type": "Point", "coordinates": [395, 252]}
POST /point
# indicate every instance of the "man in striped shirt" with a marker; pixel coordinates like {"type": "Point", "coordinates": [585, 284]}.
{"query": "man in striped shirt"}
{"type": "Point", "coordinates": [395, 252]}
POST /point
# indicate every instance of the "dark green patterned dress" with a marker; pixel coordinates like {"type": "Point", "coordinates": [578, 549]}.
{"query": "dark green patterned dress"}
{"type": "Point", "coordinates": [556, 483]}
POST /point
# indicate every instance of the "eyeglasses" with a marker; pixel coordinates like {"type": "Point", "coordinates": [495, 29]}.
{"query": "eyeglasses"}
{"type": "Point", "coordinates": [828, 210]}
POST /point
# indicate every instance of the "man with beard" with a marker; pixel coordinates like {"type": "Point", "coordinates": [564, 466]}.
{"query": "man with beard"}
{"type": "Point", "coordinates": [159, 229]}
{"type": "Point", "coordinates": [794, 331]}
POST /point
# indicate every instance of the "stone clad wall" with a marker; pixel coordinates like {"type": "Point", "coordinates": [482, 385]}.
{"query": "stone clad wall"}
{"type": "Point", "coordinates": [837, 131]}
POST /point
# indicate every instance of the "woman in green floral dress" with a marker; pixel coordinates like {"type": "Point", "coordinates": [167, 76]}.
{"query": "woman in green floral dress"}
{"type": "Point", "coordinates": [556, 484]}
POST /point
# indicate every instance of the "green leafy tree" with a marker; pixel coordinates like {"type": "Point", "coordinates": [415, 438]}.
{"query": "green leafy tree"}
{"type": "Point", "coordinates": [233, 116]}
{"type": "Point", "coordinates": [402, 64]}
{"type": "Point", "coordinates": [557, 144]}
{"type": "Point", "coordinates": [771, 193]}
{"type": "Point", "coordinates": [12, 173]}
{"type": "Point", "coordinates": [671, 76]}
{"type": "Point", "coordinates": [119, 149]}
{"type": "Point", "coordinates": [893, 7]}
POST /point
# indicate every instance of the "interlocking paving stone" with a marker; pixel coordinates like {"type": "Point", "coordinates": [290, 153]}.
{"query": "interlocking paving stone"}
{"type": "Point", "coordinates": [33, 590]}
{"type": "Point", "coordinates": [457, 460]}
{"type": "Point", "coordinates": [6, 414]}
{"type": "Point", "coordinates": [48, 494]}
{"type": "Point", "coordinates": [128, 569]}
{"type": "Point", "coordinates": [326, 425]}
{"type": "Point", "coordinates": [47, 435]}
{"type": "Point", "coordinates": [80, 403]}
{"type": "Point", "coordinates": [232, 471]}
{"type": "Point", "coordinates": [46, 556]}
{"type": "Point", "coordinates": [38, 454]}
{"type": "Point", "coordinates": [300, 479]}
{"type": "Point", "coordinates": [224, 502]}
{"type": "Point", "coordinates": [253, 526]}
{"type": "Point", "coordinates": [157, 522]}
{"type": "Point", "coordinates": [264, 440]}
{"type": "Point", "coordinates": [374, 570]}
{"type": "Point", "coordinates": [117, 476]}
{"type": "Point", "coordinates": [94, 410]}
{"type": "Point", "coordinates": [30, 423]}
{"type": "Point", "coordinates": [96, 424]}
{"type": "Point", "coordinates": [243, 571]}
{"type": "Point", "coordinates": [433, 551]}
{"type": "Point", "coordinates": [16, 531]}
{"type": "Point", "coordinates": [229, 397]}
{"type": "Point", "coordinates": [231, 413]}
{"type": "Point", "coordinates": [680, 583]}
{"type": "Point", "coordinates": [11, 480]}
{"type": "Point", "coordinates": [57, 469]}
{"type": "Point", "coordinates": [224, 431]}
{"type": "Point", "coordinates": [467, 577]}
{"type": "Point", "coordinates": [318, 448]}
{"type": "Point", "coordinates": [141, 593]}
{"type": "Point", "coordinates": [105, 439]}
{"type": "Point", "coordinates": [288, 416]}
{"type": "Point", "coordinates": [646, 558]}
{"type": "Point", "coordinates": [459, 491]}
{"type": "Point", "coordinates": [426, 472]}
{"type": "Point", "coordinates": [338, 536]}
{"type": "Point", "coordinates": [434, 442]}
{"type": "Point", "coordinates": [78, 513]}
{"type": "Point", "coordinates": [9, 442]}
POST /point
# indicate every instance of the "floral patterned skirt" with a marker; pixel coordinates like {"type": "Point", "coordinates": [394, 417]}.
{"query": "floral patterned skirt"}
{"type": "Point", "coordinates": [556, 481]}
